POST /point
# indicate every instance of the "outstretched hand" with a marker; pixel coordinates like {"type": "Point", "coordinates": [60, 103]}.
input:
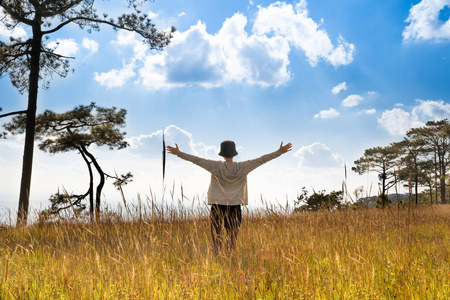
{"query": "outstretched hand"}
{"type": "Point", "coordinates": [173, 150]}
{"type": "Point", "coordinates": [286, 148]}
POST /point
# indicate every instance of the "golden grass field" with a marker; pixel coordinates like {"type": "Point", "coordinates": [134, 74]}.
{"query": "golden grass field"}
{"type": "Point", "coordinates": [348, 254]}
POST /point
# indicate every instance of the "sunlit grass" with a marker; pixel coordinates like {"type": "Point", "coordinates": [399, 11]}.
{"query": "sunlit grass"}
{"type": "Point", "coordinates": [348, 254]}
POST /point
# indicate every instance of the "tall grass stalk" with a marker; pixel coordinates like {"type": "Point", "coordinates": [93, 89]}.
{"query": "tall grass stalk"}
{"type": "Point", "coordinates": [165, 253]}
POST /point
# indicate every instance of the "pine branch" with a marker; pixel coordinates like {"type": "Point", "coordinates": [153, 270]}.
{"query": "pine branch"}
{"type": "Point", "coordinates": [13, 113]}
{"type": "Point", "coordinates": [13, 14]}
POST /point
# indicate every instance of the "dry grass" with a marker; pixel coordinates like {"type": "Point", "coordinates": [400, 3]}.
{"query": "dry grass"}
{"type": "Point", "coordinates": [363, 254]}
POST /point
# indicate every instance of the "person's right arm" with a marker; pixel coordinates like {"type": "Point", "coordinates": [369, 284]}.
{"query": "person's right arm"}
{"type": "Point", "coordinates": [208, 165]}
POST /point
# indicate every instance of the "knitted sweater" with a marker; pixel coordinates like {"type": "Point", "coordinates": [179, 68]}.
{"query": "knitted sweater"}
{"type": "Point", "coordinates": [229, 180]}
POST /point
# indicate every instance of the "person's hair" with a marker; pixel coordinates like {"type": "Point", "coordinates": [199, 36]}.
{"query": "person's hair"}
{"type": "Point", "coordinates": [228, 149]}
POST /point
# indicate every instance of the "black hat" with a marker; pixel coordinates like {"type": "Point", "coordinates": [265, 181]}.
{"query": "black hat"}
{"type": "Point", "coordinates": [228, 149]}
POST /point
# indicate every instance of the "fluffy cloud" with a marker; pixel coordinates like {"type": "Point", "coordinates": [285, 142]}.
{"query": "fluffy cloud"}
{"type": "Point", "coordinates": [398, 121]}
{"type": "Point", "coordinates": [424, 22]}
{"type": "Point", "coordinates": [196, 57]}
{"type": "Point", "coordinates": [66, 47]}
{"type": "Point", "coordinates": [432, 110]}
{"type": "Point", "coordinates": [371, 111]}
{"type": "Point", "coordinates": [91, 45]}
{"type": "Point", "coordinates": [340, 87]}
{"type": "Point", "coordinates": [129, 38]}
{"type": "Point", "coordinates": [318, 155]}
{"type": "Point", "coordinates": [172, 134]}
{"type": "Point", "coordinates": [125, 38]}
{"type": "Point", "coordinates": [352, 100]}
{"type": "Point", "coordinates": [115, 78]}
{"type": "Point", "coordinates": [293, 23]}
{"type": "Point", "coordinates": [327, 114]}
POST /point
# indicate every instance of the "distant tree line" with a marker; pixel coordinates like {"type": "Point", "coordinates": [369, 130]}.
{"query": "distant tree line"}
{"type": "Point", "coordinates": [421, 159]}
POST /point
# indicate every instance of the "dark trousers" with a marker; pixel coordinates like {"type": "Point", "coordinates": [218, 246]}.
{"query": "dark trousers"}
{"type": "Point", "coordinates": [230, 217]}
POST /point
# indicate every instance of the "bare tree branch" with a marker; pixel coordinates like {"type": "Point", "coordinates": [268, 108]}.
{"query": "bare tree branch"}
{"type": "Point", "coordinates": [13, 113]}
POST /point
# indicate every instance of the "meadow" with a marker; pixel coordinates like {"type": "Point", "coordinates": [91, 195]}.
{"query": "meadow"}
{"type": "Point", "coordinates": [366, 253]}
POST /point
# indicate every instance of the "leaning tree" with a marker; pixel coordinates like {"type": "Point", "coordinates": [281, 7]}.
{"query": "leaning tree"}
{"type": "Point", "coordinates": [76, 130]}
{"type": "Point", "coordinates": [30, 61]}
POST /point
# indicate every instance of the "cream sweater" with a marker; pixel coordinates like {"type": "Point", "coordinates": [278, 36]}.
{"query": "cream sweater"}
{"type": "Point", "coordinates": [229, 180]}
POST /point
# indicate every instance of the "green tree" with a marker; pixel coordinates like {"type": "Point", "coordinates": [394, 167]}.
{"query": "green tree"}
{"type": "Point", "coordinates": [428, 178]}
{"type": "Point", "coordinates": [31, 61]}
{"type": "Point", "coordinates": [437, 136]}
{"type": "Point", "coordinates": [77, 130]}
{"type": "Point", "coordinates": [381, 160]}
{"type": "Point", "coordinates": [318, 201]}
{"type": "Point", "coordinates": [411, 161]}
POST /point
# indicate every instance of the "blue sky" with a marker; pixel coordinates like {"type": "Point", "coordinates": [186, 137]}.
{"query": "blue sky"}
{"type": "Point", "coordinates": [332, 77]}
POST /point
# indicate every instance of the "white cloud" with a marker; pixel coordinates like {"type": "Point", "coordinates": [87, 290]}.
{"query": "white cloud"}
{"type": "Point", "coordinates": [125, 38]}
{"type": "Point", "coordinates": [172, 134]}
{"type": "Point", "coordinates": [65, 47]}
{"type": "Point", "coordinates": [115, 78]}
{"type": "Point", "coordinates": [432, 110]}
{"type": "Point", "coordinates": [91, 45]}
{"type": "Point", "coordinates": [327, 114]}
{"type": "Point", "coordinates": [398, 121]}
{"type": "Point", "coordinates": [318, 155]}
{"type": "Point", "coordinates": [294, 24]}
{"type": "Point", "coordinates": [181, 14]}
{"type": "Point", "coordinates": [424, 22]}
{"type": "Point", "coordinates": [352, 100]}
{"type": "Point", "coordinates": [371, 111]}
{"type": "Point", "coordinates": [196, 57]}
{"type": "Point", "coordinates": [152, 15]}
{"type": "Point", "coordinates": [16, 32]}
{"type": "Point", "coordinates": [340, 87]}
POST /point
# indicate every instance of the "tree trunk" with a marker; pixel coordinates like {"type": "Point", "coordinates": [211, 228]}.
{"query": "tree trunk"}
{"type": "Point", "coordinates": [436, 178]}
{"type": "Point", "coordinates": [416, 180]}
{"type": "Point", "coordinates": [99, 186]}
{"type": "Point", "coordinates": [383, 202]}
{"type": "Point", "coordinates": [91, 185]}
{"type": "Point", "coordinates": [443, 173]}
{"type": "Point", "coordinates": [416, 187]}
{"type": "Point", "coordinates": [431, 195]}
{"type": "Point", "coordinates": [27, 165]}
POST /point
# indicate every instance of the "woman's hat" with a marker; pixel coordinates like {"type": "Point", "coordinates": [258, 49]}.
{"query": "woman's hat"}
{"type": "Point", "coordinates": [228, 149]}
